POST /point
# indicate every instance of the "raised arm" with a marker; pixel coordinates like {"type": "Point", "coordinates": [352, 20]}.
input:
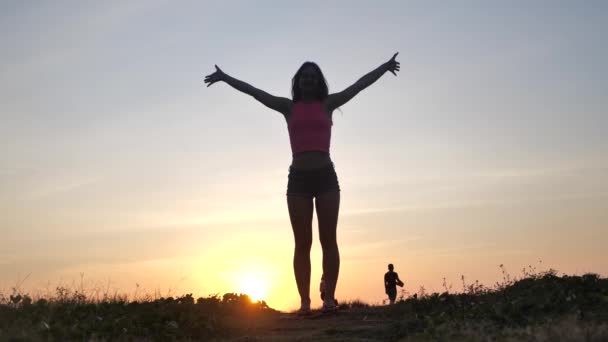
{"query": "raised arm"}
{"type": "Point", "coordinates": [338, 99]}
{"type": "Point", "coordinates": [280, 104]}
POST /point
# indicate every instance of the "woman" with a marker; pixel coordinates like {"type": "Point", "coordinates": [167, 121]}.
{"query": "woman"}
{"type": "Point", "coordinates": [311, 173]}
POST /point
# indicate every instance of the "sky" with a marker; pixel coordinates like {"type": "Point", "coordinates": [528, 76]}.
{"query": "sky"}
{"type": "Point", "coordinates": [121, 172]}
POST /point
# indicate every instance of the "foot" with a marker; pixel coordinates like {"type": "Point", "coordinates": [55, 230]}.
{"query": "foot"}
{"type": "Point", "coordinates": [304, 309]}
{"type": "Point", "coordinates": [329, 307]}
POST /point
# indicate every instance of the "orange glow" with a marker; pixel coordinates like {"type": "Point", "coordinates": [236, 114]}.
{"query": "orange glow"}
{"type": "Point", "coordinates": [254, 286]}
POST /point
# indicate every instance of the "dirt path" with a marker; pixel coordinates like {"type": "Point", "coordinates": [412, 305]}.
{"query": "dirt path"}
{"type": "Point", "coordinates": [343, 326]}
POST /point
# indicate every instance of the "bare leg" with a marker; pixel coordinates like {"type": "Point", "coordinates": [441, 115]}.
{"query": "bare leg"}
{"type": "Point", "coordinates": [328, 206]}
{"type": "Point", "coordinates": [300, 214]}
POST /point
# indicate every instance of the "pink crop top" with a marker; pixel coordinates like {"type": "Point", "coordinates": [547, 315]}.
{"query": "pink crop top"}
{"type": "Point", "coordinates": [309, 127]}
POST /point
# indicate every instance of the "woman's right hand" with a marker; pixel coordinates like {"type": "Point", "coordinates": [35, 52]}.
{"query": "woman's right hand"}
{"type": "Point", "coordinates": [218, 75]}
{"type": "Point", "coordinates": [392, 65]}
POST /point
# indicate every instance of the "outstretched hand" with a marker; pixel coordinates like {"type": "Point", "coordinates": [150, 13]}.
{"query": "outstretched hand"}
{"type": "Point", "coordinates": [392, 65]}
{"type": "Point", "coordinates": [218, 75]}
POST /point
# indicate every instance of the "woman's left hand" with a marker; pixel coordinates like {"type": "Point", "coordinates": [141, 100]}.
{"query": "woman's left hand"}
{"type": "Point", "coordinates": [392, 65]}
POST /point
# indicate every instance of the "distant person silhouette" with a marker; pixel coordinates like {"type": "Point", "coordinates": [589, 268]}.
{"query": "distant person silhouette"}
{"type": "Point", "coordinates": [311, 174]}
{"type": "Point", "coordinates": [391, 281]}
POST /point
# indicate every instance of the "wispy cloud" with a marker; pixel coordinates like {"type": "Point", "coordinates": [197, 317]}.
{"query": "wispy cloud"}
{"type": "Point", "coordinates": [519, 186]}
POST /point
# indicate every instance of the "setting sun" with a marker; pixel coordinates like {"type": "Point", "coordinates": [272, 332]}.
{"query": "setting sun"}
{"type": "Point", "coordinates": [254, 286]}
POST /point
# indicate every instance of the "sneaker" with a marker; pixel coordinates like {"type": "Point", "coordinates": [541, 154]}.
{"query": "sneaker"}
{"type": "Point", "coordinates": [303, 311]}
{"type": "Point", "coordinates": [329, 308]}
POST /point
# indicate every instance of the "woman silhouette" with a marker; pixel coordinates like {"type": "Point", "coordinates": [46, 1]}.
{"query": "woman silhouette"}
{"type": "Point", "coordinates": [311, 173]}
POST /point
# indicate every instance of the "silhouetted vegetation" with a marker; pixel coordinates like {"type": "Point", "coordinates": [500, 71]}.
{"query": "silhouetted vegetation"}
{"type": "Point", "coordinates": [539, 306]}
{"type": "Point", "coordinates": [72, 316]}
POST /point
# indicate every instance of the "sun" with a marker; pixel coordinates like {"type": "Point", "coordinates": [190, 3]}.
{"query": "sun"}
{"type": "Point", "coordinates": [254, 286]}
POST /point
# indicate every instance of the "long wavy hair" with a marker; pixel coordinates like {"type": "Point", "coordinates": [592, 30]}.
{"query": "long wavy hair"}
{"type": "Point", "coordinates": [322, 89]}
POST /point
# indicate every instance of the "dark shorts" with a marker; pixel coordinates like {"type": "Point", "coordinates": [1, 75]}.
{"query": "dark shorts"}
{"type": "Point", "coordinates": [391, 292]}
{"type": "Point", "coordinates": [312, 182]}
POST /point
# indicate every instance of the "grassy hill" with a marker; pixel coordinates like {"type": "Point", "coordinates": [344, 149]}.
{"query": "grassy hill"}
{"type": "Point", "coordinates": [538, 307]}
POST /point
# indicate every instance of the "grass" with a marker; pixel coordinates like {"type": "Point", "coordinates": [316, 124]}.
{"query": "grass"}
{"type": "Point", "coordinates": [71, 316]}
{"type": "Point", "coordinates": [518, 309]}
{"type": "Point", "coordinates": [537, 307]}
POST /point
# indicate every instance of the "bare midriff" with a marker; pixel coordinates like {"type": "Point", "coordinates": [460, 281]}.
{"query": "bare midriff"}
{"type": "Point", "coordinates": [310, 160]}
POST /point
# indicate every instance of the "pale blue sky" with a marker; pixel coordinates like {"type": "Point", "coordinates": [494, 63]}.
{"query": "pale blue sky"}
{"type": "Point", "coordinates": [490, 144]}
